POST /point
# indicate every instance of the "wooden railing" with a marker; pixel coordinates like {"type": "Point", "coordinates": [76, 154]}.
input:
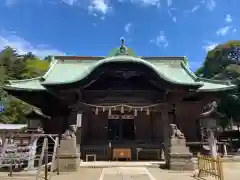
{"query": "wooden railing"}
{"type": "Point", "coordinates": [48, 167]}
{"type": "Point", "coordinates": [210, 166]}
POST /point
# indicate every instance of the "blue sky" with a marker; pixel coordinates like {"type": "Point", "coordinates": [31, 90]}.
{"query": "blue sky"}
{"type": "Point", "coordinates": [93, 27]}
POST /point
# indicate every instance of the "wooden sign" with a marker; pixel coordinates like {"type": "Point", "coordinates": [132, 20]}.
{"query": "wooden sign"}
{"type": "Point", "coordinates": [125, 116]}
{"type": "Point", "coordinates": [79, 120]}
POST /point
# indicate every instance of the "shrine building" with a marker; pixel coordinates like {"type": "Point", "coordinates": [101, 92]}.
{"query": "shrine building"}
{"type": "Point", "coordinates": [120, 101]}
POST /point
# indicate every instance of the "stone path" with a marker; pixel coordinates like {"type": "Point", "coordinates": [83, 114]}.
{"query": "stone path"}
{"type": "Point", "coordinates": [114, 173]}
{"type": "Point", "coordinates": [231, 172]}
{"type": "Point", "coordinates": [126, 173]}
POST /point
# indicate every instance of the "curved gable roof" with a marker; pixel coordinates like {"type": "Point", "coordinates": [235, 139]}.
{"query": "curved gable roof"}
{"type": "Point", "coordinates": [171, 71]}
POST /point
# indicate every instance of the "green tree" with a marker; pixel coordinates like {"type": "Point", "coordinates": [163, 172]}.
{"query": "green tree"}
{"type": "Point", "coordinates": [218, 65]}
{"type": "Point", "coordinates": [14, 66]}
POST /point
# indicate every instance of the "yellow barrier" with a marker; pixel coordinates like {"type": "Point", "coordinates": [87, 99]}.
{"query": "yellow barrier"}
{"type": "Point", "coordinates": [209, 166]}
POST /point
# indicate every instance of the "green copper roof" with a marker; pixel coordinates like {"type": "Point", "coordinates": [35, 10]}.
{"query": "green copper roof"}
{"type": "Point", "coordinates": [76, 71]}
{"type": "Point", "coordinates": [33, 84]}
{"type": "Point", "coordinates": [173, 70]}
{"type": "Point", "coordinates": [215, 85]}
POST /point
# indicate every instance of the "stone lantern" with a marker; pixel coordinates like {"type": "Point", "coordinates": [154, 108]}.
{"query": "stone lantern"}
{"type": "Point", "coordinates": [208, 119]}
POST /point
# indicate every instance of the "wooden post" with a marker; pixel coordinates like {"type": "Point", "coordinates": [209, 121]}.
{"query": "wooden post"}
{"type": "Point", "coordinates": [46, 162]}
{"type": "Point", "coordinates": [225, 150]}
{"type": "Point", "coordinates": [166, 133]}
{"type": "Point", "coordinates": [220, 168]}
{"type": "Point", "coordinates": [110, 150]}
{"type": "Point", "coordinates": [58, 168]}
{"type": "Point", "coordinates": [54, 157]}
{"type": "Point", "coordinates": [11, 168]}
{"type": "Point", "coordinates": [42, 152]}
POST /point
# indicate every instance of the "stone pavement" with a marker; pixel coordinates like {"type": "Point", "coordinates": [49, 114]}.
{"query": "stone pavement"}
{"type": "Point", "coordinates": [112, 173]}
{"type": "Point", "coordinates": [231, 172]}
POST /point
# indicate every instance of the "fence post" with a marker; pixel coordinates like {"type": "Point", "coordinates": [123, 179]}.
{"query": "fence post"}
{"type": "Point", "coordinates": [199, 163]}
{"type": "Point", "coordinates": [220, 168]}
{"type": "Point", "coordinates": [11, 168]}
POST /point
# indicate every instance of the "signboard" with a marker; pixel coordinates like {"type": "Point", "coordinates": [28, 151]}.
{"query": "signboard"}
{"type": "Point", "coordinates": [125, 116]}
{"type": "Point", "coordinates": [79, 120]}
{"type": "Point", "coordinates": [1, 107]}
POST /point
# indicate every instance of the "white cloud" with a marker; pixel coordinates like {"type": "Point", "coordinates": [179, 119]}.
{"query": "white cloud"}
{"type": "Point", "coordinates": [128, 27]}
{"type": "Point", "coordinates": [223, 31]}
{"type": "Point", "coordinates": [210, 46]}
{"type": "Point", "coordinates": [23, 46]}
{"type": "Point", "coordinates": [99, 6]}
{"type": "Point", "coordinates": [228, 18]}
{"type": "Point", "coordinates": [174, 19]}
{"type": "Point", "coordinates": [156, 3]}
{"type": "Point", "coordinates": [10, 3]}
{"type": "Point", "coordinates": [95, 7]}
{"type": "Point", "coordinates": [160, 40]}
{"type": "Point", "coordinates": [71, 2]}
{"type": "Point", "coordinates": [210, 4]}
{"type": "Point", "coordinates": [169, 3]}
{"type": "Point", "coordinates": [195, 8]}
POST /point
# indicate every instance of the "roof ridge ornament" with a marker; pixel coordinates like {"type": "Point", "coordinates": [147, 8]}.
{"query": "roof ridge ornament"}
{"type": "Point", "coordinates": [123, 49]}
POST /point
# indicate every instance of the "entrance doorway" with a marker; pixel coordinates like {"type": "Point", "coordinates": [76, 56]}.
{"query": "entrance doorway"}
{"type": "Point", "coordinates": [121, 128]}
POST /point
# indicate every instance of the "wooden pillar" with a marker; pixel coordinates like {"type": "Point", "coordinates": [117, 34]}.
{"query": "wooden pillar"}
{"type": "Point", "coordinates": [166, 133]}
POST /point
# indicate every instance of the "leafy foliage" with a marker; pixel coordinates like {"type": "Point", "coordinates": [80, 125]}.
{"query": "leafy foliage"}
{"type": "Point", "coordinates": [16, 67]}
{"type": "Point", "coordinates": [220, 65]}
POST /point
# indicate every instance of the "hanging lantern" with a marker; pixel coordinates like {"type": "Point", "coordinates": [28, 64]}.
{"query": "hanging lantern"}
{"type": "Point", "coordinates": [122, 109]}
{"type": "Point", "coordinates": [109, 112]}
{"type": "Point", "coordinates": [141, 109]}
{"type": "Point", "coordinates": [135, 112]}
{"type": "Point", "coordinates": [147, 111]}
{"type": "Point", "coordinates": [103, 109]}
{"type": "Point", "coordinates": [96, 111]}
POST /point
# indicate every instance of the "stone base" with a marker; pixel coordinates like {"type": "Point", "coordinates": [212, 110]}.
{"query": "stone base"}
{"type": "Point", "coordinates": [69, 158]}
{"type": "Point", "coordinates": [69, 163]}
{"type": "Point", "coordinates": [181, 162]}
